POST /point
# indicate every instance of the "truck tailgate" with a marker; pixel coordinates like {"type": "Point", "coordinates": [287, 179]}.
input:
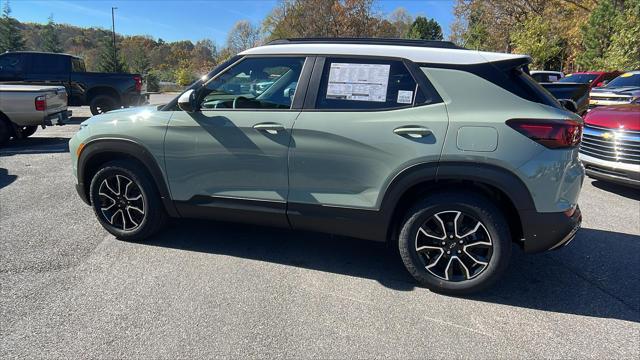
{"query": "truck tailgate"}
{"type": "Point", "coordinates": [56, 100]}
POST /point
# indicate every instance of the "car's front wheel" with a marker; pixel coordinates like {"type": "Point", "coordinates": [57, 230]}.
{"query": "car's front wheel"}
{"type": "Point", "coordinates": [455, 243]}
{"type": "Point", "coordinates": [126, 201]}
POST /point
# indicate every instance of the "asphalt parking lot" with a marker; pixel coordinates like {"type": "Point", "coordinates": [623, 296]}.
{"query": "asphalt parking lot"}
{"type": "Point", "coordinates": [205, 289]}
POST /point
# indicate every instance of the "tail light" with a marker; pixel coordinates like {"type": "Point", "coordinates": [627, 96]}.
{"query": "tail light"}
{"type": "Point", "coordinates": [554, 134]}
{"type": "Point", "coordinates": [138, 81]}
{"type": "Point", "coordinates": [41, 103]}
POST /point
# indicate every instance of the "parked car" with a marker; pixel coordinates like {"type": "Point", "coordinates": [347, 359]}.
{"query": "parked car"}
{"type": "Point", "coordinates": [25, 107]}
{"type": "Point", "coordinates": [624, 89]}
{"type": "Point", "coordinates": [610, 148]}
{"type": "Point", "coordinates": [101, 91]}
{"type": "Point", "coordinates": [576, 92]}
{"type": "Point", "coordinates": [592, 78]}
{"type": "Point", "coordinates": [371, 145]}
{"type": "Point", "coordinates": [546, 76]}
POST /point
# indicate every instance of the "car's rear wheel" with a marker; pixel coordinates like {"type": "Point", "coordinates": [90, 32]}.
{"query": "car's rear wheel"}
{"type": "Point", "coordinates": [26, 131]}
{"type": "Point", "coordinates": [126, 201]}
{"type": "Point", "coordinates": [455, 243]}
{"type": "Point", "coordinates": [102, 103]}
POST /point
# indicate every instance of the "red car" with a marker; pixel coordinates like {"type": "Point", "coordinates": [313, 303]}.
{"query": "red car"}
{"type": "Point", "coordinates": [610, 148]}
{"type": "Point", "coordinates": [593, 78]}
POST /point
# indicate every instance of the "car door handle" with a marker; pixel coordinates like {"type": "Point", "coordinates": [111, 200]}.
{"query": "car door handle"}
{"type": "Point", "coordinates": [271, 128]}
{"type": "Point", "coordinates": [413, 131]}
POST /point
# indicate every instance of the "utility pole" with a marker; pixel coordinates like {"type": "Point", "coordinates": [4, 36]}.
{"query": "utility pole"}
{"type": "Point", "coordinates": [113, 30]}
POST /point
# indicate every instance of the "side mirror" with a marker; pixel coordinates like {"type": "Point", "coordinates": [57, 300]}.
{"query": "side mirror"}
{"type": "Point", "coordinates": [186, 101]}
{"type": "Point", "coordinates": [569, 105]}
{"type": "Point", "coordinates": [600, 84]}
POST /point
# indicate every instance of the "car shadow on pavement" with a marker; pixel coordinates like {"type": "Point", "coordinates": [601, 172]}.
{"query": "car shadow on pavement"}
{"type": "Point", "coordinates": [580, 279]}
{"type": "Point", "coordinates": [626, 191]}
{"type": "Point", "coordinates": [36, 145]}
{"type": "Point", "coordinates": [5, 178]}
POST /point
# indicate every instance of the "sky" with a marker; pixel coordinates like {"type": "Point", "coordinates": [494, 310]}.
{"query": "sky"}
{"type": "Point", "coordinates": [193, 20]}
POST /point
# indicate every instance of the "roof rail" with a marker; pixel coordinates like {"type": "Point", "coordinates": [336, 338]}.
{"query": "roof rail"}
{"type": "Point", "coordinates": [368, 41]}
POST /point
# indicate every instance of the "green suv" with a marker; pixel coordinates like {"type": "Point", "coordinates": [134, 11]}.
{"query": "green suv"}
{"type": "Point", "coordinates": [451, 155]}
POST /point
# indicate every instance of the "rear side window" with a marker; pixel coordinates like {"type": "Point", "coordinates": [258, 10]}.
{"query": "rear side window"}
{"type": "Point", "coordinates": [12, 63]}
{"type": "Point", "coordinates": [366, 84]}
{"type": "Point", "coordinates": [77, 65]}
{"type": "Point", "coordinates": [48, 64]}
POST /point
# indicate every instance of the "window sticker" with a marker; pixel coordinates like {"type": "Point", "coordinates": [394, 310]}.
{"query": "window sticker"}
{"type": "Point", "coordinates": [359, 82]}
{"type": "Point", "coordinates": [405, 97]}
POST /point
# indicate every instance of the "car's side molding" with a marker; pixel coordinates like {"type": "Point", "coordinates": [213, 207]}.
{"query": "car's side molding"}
{"type": "Point", "coordinates": [128, 148]}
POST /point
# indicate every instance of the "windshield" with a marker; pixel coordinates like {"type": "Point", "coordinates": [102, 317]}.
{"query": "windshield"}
{"type": "Point", "coordinates": [579, 78]}
{"type": "Point", "coordinates": [628, 79]}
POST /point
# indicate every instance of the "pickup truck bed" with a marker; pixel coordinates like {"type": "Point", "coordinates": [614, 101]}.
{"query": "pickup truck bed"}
{"type": "Point", "coordinates": [25, 107]}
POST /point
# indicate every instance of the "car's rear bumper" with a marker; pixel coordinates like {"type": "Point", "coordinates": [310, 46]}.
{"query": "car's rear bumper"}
{"type": "Point", "coordinates": [622, 173]}
{"type": "Point", "coordinates": [60, 118]}
{"type": "Point", "coordinates": [549, 231]}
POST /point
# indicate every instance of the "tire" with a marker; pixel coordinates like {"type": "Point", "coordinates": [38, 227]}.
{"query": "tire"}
{"type": "Point", "coordinates": [480, 236]}
{"type": "Point", "coordinates": [26, 131]}
{"type": "Point", "coordinates": [114, 193]}
{"type": "Point", "coordinates": [102, 103]}
{"type": "Point", "coordinates": [6, 131]}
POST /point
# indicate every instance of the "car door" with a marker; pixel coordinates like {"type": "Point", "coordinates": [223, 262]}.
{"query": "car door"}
{"type": "Point", "coordinates": [48, 69]}
{"type": "Point", "coordinates": [364, 121]}
{"type": "Point", "coordinates": [229, 159]}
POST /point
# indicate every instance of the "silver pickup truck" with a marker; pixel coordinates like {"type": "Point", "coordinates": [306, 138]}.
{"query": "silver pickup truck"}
{"type": "Point", "coordinates": [25, 107]}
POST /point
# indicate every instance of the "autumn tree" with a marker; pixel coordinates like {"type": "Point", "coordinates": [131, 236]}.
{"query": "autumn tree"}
{"type": "Point", "coordinates": [597, 35]}
{"type": "Point", "coordinates": [624, 50]}
{"type": "Point", "coordinates": [10, 35]}
{"type": "Point", "coordinates": [536, 38]}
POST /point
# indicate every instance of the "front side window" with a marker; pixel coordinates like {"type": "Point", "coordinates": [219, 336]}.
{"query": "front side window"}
{"type": "Point", "coordinates": [254, 83]}
{"type": "Point", "coordinates": [48, 64]}
{"type": "Point", "coordinates": [368, 84]}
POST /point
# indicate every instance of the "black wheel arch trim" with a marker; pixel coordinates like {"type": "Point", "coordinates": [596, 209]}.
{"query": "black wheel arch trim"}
{"type": "Point", "coordinates": [129, 148]}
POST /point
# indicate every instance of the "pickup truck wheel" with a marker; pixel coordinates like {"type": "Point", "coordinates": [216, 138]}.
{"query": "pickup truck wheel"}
{"type": "Point", "coordinates": [455, 243]}
{"type": "Point", "coordinates": [126, 201]}
{"type": "Point", "coordinates": [5, 131]}
{"type": "Point", "coordinates": [102, 103]}
{"type": "Point", "coordinates": [26, 131]}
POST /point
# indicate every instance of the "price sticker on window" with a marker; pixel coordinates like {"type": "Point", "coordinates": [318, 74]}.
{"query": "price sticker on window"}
{"type": "Point", "coordinates": [405, 97]}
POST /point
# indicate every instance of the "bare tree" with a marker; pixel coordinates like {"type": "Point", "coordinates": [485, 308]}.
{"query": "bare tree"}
{"type": "Point", "coordinates": [242, 36]}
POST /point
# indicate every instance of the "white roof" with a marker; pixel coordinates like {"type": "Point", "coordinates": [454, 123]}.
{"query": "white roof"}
{"type": "Point", "coordinates": [413, 53]}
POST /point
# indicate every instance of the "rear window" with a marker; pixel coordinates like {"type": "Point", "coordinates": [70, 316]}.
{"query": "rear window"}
{"type": "Point", "coordinates": [526, 87]}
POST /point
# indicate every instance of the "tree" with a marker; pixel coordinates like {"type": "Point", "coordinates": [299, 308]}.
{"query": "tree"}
{"type": "Point", "coordinates": [597, 35]}
{"type": "Point", "coordinates": [425, 29]}
{"type": "Point", "coordinates": [108, 61]}
{"type": "Point", "coordinates": [49, 36]}
{"type": "Point", "coordinates": [624, 51]}
{"type": "Point", "coordinates": [536, 38]}
{"type": "Point", "coordinates": [10, 35]}
{"type": "Point", "coordinates": [243, 35]}
{"type": "Point", "coordinates": [401, 21]}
